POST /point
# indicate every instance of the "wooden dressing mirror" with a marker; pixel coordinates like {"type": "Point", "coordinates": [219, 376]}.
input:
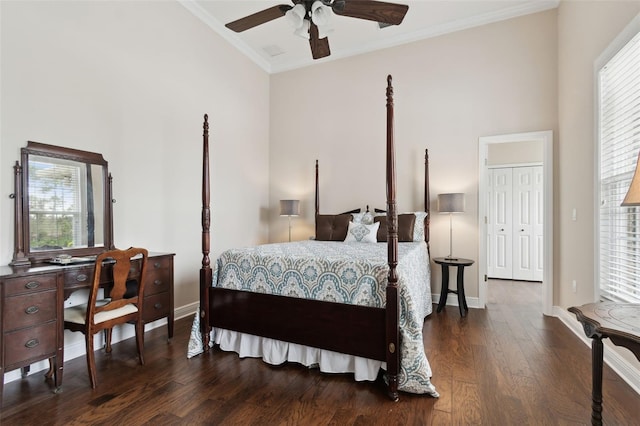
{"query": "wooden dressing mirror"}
{"type": "Point", "coordinates": [62, 204]}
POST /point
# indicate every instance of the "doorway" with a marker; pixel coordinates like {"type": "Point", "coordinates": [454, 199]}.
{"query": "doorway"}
{"type": "Point", "coordinates": [519, 141]}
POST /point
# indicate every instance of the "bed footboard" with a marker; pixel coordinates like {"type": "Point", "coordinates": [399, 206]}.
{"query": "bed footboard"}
{"type": "Point", "coordinates": [325, 325]}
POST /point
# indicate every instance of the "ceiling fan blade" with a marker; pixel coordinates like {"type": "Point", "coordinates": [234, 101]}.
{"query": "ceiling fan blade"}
{"type": "Point", "coordinates": [379, 11]}
{"type": "Point", "coordinates": [319, 46]}
{"type": "Point", "coordinates": [258, 18]}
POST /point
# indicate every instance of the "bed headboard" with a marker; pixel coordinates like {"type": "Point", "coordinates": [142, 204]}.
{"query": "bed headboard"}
{"type": "Point", "coordinates": [427, 197]}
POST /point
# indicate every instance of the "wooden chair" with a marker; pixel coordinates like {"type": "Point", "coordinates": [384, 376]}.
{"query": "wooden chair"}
{"type": "Point", "coordinates": [103, 314]}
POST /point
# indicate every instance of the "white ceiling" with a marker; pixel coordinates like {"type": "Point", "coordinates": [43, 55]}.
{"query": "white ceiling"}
{"type": "Point", "coordinates": [425, 18]}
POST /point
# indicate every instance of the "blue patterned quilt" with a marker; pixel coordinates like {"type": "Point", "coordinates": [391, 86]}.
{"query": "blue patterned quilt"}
{"type": "Point", "coordinates": [352, 273]}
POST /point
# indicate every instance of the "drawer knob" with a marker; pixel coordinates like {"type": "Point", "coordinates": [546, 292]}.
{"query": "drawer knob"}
{"type": "Point", "coordinates": [81, 277]}
{"type": "Point", "coordinates": [157, 265]}
{"type": "Point", "coordinates": [157, 282]}
{"type": "Point", "coordinates": [158, 305]}
{"type": "Point", "coordinates": [32, 284]}
{"type": "Point", "coordinates": [31, 310]}
{"type": "Point", "coordinates": [32, 343]}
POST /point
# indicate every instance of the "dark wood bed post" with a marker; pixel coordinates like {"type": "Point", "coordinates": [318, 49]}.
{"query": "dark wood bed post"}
{"type": "Point", "coordinates": [427, 198]}
{"type": "Point", "coordinates": [206, 276]}
{"type": "Point", "coordinates": [392, 335]}
{"type": "Point", "coordinates": [317, 198]}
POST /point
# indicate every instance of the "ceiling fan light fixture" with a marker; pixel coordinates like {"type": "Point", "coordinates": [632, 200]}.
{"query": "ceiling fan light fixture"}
{"type": "Point", "coordinates": [320, 14]}
{"type": "Point", "coordinates": [303, 30]}
{"type": "Point", "coordinates": [296, 16]}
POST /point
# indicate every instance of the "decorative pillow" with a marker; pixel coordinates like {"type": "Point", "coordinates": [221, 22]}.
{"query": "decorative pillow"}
{"type": "Point", "coordinates": [356, 217]}
{"type": "Point", "coordinates": [418, 228]}
{"type": "Point", "coordinates": [367, 218]}
{"type": "Point", "coordinates": [406, 224]}
{"type": "Point", "coordinates": [332, 227]}
{"type": "Point", "coordinates": [362, 233]}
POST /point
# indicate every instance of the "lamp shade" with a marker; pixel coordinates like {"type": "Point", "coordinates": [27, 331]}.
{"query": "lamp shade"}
{"type": "Point", "coordinates": [289, 207]}
{"type": "Point", "coordinates": [451, 203]}
{"type": "Point", "coordinates": [633, 193]}
{"type": "Point", "coordinates": [296, 15]}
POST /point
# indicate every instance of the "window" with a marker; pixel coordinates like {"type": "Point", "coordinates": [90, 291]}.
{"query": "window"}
{"type": "Point", "coordinates": [619, 144]}
{"type": "Point", "coordinates": [55, 204]}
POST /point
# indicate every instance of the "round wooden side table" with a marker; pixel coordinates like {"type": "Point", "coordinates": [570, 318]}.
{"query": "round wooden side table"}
{"type": "Point", "coordinates": [445, 262]}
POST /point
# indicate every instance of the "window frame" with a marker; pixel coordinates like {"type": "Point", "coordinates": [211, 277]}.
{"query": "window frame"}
{"type": "Point", "coordinates": [625, 36]}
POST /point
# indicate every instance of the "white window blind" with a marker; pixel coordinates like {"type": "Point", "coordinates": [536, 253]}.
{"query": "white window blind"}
{"type": "Point", "coordinates": [55, 204]}
{"type": "Point", "coordinates": [619, 125]}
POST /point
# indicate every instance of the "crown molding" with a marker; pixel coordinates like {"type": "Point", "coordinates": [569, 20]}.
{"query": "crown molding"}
{"type": "Point", "coordinates": [447, 28]}
{"type": "Point", "coordinates": [200, 13]}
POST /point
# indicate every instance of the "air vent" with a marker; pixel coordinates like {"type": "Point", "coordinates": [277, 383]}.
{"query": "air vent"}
{"type": "Point", "coordinates": [273, 50]}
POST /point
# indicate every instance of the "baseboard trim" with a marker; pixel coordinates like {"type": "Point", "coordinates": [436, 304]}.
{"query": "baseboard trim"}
{"type": "Point", "coordinates": [472, 302]}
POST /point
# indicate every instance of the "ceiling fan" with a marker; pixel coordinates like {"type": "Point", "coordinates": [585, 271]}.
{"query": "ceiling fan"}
{"type": "Point", "coordinates": [310, 18]}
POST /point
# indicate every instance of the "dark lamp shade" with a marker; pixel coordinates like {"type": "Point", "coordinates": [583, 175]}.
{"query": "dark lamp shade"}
{"type": "Point", "coordinates": [451, 203]}
{"type": "Point", "coordinates": [289, 207]}
{"type": "Point", "coordinates": [633, 193]}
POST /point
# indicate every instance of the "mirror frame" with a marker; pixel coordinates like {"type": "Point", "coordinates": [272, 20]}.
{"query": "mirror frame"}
{"type": "Point", "coordinates": [22, 254]}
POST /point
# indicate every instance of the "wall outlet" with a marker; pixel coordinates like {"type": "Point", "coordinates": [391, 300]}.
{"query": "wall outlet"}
{"type": "Point", "coordinates": [574, 286]}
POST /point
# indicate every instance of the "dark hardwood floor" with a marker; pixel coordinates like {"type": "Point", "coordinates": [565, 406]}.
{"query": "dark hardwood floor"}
{"type": "Point", "coordinates": [506, 365]}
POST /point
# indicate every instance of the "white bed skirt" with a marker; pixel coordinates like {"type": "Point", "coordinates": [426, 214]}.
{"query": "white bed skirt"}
{"type": "Point", "coordinates": [277, 352]}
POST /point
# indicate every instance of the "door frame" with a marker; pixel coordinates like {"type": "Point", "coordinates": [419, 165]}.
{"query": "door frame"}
{"type": "Point", "coordinates": [546, 138]}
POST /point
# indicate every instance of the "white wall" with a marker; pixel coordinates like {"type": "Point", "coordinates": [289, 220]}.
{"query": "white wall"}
{"type": "Point", "coordinates": [132, 80]}
{"type": "Point", "coordinates": [515, 152]}
{"type": "Point", "coordinates": [449, 91]}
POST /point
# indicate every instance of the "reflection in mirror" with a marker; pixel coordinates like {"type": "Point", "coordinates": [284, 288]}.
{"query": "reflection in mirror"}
{"type": "Point", "coordinates": [65, 204]}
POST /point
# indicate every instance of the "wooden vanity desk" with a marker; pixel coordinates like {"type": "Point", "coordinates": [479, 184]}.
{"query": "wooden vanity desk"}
{"type": "Point", "coordinates": [32, 302]}
{"type": "Point", "coordinates": [63, 206]}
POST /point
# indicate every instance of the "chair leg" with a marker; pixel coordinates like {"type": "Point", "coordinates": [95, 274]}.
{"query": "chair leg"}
{"type": "Point", "coordinates": [140, 339]}
{"type": "Point", "coordinates": [91, 362]}
{"type": "Point", "coordinates": [52, 369]}
{"type": "Point", "coordinates": [107, 336]}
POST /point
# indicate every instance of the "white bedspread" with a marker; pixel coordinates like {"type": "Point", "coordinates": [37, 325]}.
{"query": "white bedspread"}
{"type": "Point", "coordinates": [353, 273]}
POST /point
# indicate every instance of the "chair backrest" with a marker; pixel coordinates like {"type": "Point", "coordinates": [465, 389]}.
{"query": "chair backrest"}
{"type": "Point", "coordinates": [120, 261]}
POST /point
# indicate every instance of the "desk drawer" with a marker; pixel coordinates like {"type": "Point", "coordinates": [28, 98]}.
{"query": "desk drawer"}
{"type": "Point", "coordinates": [31, 284]}
{"type": "Point", "coordinates": [83, 277]}
{"type": "Point", "coordinates": [79, 277]}
{"type": "Point", "coordinates": [155, 263]}
{"type": "Point", "coordinates": [30, 343]}
{"type": "Point", "coordinates": [29, 309]}
{"type": "Point", "coordinates": [157, 280]}
{"type": "Point", "coordinates": [156, 307]}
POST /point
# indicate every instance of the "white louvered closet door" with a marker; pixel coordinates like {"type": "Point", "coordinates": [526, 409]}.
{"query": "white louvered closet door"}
{"type": "Point", "coordinates": [500, 224]}
{"type": "Point", "coordinates": [515, 223]}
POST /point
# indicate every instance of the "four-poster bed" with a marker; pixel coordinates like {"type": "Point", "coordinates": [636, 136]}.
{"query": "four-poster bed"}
{"type": "Point", "coordinates": [331, 297]}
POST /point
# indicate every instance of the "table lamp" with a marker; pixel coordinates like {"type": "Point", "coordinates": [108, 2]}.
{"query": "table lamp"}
{"type": "Point", "coordinates": [451, 203]}
{"type": "Point", "coordinates": [289, 208]}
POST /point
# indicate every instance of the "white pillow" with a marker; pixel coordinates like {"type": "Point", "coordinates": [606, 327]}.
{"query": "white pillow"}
{"type": "Point", "coordinates": [418, 226]}
{"type": "Point", "coordinates": [357, 217]}
{"type": "Point", "coordinates": [362, 233]}
{"type": "Point", "coordinates": [366, 218]}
